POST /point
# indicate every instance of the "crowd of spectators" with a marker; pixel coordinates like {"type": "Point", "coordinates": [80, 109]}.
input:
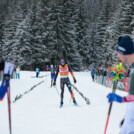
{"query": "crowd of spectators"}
{"type": "Point", "coordinates": [101, 76]}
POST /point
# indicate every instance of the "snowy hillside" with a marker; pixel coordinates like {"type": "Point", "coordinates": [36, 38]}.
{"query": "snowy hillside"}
{"type": "Point", "coordinates": [38, 112]}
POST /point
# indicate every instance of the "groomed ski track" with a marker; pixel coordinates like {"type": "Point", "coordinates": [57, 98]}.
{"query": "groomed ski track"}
{"type": "Point", "coordinates": [38, 111]}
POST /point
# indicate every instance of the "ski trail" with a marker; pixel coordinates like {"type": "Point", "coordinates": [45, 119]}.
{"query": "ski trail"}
{"type": "Point", "coordinates": [46, 103]}
{"type": "Point", "coordinates": [39, 112]}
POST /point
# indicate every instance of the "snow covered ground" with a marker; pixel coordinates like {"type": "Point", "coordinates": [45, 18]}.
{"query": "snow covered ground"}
{"type": "Point", "coordinates": [38, 111]}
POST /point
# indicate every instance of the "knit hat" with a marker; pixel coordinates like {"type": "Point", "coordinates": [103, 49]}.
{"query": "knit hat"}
{"type": "Point", "coordinates": [125, 45]}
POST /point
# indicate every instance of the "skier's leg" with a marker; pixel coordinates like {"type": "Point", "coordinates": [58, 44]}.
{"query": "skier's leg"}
{"type": "Point", "coordinates": [62, 92]}
{"type": "Point", "coordinates": [123, 128]}
{"type": "Point", "coordinates": [70, 90]}
{"type": "Point", "coordinates": [51, 80]}
{"type": "Point", "coordinates": [18, 76]}
{"type": "Point", "coordinates": [36, 74]}
{"type": "Point", "coordinates": [53, 77]}
{"type": "Point", "coordinates": [127, 127]}
{"type": "Point", "coordinates": [92, 78]}
{"type": "Point", "coordinates": [130, 127]}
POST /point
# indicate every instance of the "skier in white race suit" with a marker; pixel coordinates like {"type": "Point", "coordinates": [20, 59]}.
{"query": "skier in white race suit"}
{"type": "Point", "coordinates": [125, 51]}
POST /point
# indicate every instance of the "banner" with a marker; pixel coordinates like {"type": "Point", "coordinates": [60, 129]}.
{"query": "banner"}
{"type": "Point", "coordinates": [126, 84]}
{"type": "Point", "coordinates": [3, 89]}
{"type": "Point", "coordinates": [109, 82]}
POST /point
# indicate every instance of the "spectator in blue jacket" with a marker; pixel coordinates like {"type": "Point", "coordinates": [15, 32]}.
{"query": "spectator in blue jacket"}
{"type": "Point", "coordinates": [37, 72]}
{"type": "Point", "coordinates": [92, 73]}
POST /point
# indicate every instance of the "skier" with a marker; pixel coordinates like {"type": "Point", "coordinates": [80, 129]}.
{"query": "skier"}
{"type": "Point", "coordinates": [18, 72]}
{"type": "Point", "coordinates": [47, 68]}
{"type": "Point", "coordinates": [52, 69]}
{"type": "Point", "coordinates": [125, 50]}
{"type": "Point", "coordinates": [55, 68]}
{"type": "Point", "coordinates": [37, 72]}
{"type": "Point", "coordinates": [64, 70]}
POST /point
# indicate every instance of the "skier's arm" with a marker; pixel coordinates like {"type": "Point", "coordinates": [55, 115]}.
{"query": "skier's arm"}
{"type": "Point", "coordinates": [129, 98]}
{"type": "Point", "coordinates": [71, 73]}
{"type": "Point", "coordinates": [56, 74]}
{"type": "Point", "coordinates": [131, 83]}
{"type": "Point", "coordinates": [114, 97]}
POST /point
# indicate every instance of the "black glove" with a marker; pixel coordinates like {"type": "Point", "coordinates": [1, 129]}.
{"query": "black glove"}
{"type": "Point", "coordinates": [54, 83]}
{"type": "Point", "coordinates": [75, 80]}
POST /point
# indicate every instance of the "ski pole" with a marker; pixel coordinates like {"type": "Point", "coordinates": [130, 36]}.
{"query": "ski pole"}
{"type": "Point", "coordinates": [57, 90]}
{"type": "Point", "coordinates": [9, 109]}
{"type": "Point", "coordinates": [73, 88]}
{"type": "Point", "coordinates": [110, 106]}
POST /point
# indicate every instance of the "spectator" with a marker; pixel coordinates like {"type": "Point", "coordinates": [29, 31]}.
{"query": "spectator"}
{"type": "Point", "coordinates": [37, 72]}
{"type": "Point", "coordinates": [92, 73]}
{"type": "Point", "coordinates": [105, 73]}
{"type": "Point", "coordinates": [97, 72]}
{"type": "Point", "coordinates": [18, 72]}
{"type": "Point", "coordinates": [55, 67]}
{"type": "Point", "coordinates": [52, 69]}
{"type": "Point", "coordinates": [47, 68]}
{"type": "Point", "coordinates": [128, 73]}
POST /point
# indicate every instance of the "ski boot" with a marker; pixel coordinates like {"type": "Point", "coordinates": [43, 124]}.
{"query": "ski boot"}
{"type": "Point", "coordinates": [61, 104]}
{"type": "Point", "coordinates": [75, 103]}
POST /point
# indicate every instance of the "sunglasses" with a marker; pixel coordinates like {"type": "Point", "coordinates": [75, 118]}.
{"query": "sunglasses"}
{"type": "Point", "coordinates": [62, 62]}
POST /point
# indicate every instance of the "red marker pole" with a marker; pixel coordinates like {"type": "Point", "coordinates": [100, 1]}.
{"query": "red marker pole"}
{"type": "Point", "coordinates": [9, 109]}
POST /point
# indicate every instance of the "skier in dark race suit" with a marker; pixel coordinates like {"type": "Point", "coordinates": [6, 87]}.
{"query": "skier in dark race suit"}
{"type": "Point", "coordinates": [64, 70]}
